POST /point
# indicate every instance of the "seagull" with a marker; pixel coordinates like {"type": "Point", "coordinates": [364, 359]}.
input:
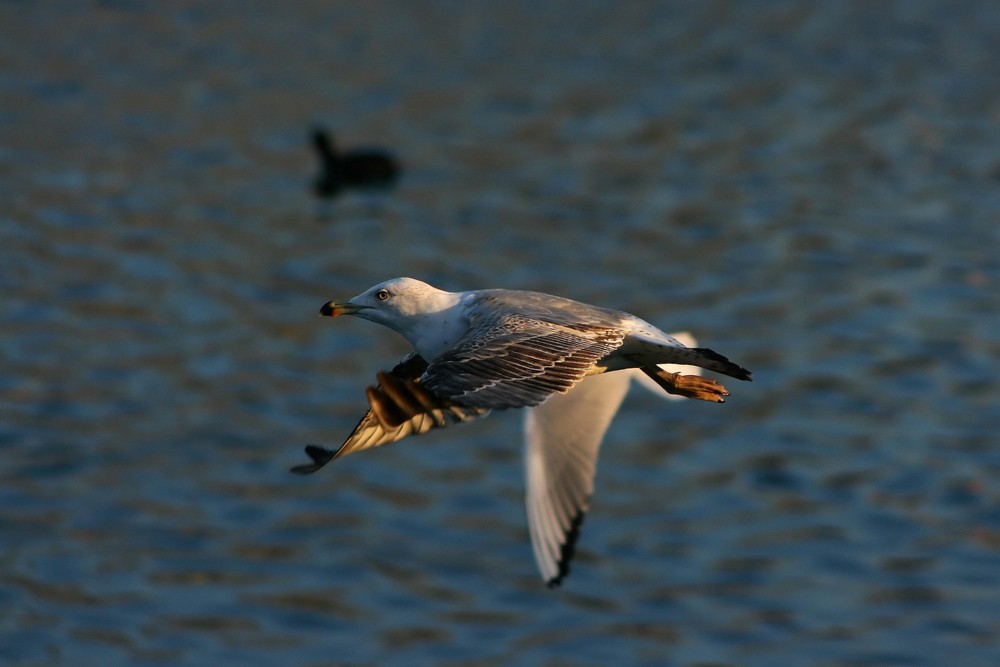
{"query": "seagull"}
{"type": "Point", "coordinates": [358, 168]}
{"type": "Point", "coordinates": [569, 363]}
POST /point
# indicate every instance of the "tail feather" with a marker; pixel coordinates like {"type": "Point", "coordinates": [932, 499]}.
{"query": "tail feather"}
{"type": "Point", "coordinates": [714, 361]}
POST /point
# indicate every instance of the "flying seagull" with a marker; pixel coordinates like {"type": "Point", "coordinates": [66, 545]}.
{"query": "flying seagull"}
{"type": "Point", "coordinates": [492, 349]}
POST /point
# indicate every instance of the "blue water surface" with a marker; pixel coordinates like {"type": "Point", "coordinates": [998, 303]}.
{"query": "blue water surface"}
{"type": "Point", "coordinates": [812, 189]}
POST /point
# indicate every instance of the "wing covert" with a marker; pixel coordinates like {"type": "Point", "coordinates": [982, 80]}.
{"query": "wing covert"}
{"type": "Point", "coordinates": [513, 361]}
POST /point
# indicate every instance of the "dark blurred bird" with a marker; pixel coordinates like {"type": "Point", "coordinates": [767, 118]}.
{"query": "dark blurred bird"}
{"type": "Point", "coordinates": [362, 168]}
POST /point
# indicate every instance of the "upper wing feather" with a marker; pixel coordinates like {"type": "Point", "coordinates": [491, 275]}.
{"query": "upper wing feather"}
{"type": "Point", "coordinates": [509, 360]}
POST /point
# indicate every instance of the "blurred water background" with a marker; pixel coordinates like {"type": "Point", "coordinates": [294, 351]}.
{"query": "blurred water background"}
{"type": "Point", "coordinates": [811, 188]}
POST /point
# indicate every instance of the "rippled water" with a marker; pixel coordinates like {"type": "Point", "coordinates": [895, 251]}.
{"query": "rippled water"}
{"type": "Point", "coordinates": [811, 188]}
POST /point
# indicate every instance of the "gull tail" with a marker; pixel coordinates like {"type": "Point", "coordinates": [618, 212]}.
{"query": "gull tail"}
{"type": "Point", "coordinates": [713, 361]}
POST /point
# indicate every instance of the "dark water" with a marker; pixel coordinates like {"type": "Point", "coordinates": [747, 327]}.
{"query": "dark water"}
{"type": "Point", "coordinates": [811, 188]}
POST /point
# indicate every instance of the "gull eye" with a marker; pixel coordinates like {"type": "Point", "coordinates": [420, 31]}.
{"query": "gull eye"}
{"type": "Point", "coordinates": [382, 295]}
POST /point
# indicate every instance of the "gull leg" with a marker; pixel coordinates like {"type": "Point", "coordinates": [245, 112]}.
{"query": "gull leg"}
{"type": "Point", "coordinates": [689, 386]}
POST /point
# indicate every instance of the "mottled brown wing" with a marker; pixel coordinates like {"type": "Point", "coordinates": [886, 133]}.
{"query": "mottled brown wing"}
{"type": "Point", "coordinates": [400, 406]}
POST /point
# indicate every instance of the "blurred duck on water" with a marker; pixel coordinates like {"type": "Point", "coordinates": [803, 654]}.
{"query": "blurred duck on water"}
{"type": "Point", "coordinates": [368, 168]}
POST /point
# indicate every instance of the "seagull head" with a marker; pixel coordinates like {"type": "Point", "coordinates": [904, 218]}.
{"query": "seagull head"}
{"type": "Point", "coordinates": [405, 305]}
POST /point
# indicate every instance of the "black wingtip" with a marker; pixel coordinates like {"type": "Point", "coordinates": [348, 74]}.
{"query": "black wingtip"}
{"type": "Point", "coordinates": [568, 549]}
{"type": "Point", "coordinates": [320, 457]}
